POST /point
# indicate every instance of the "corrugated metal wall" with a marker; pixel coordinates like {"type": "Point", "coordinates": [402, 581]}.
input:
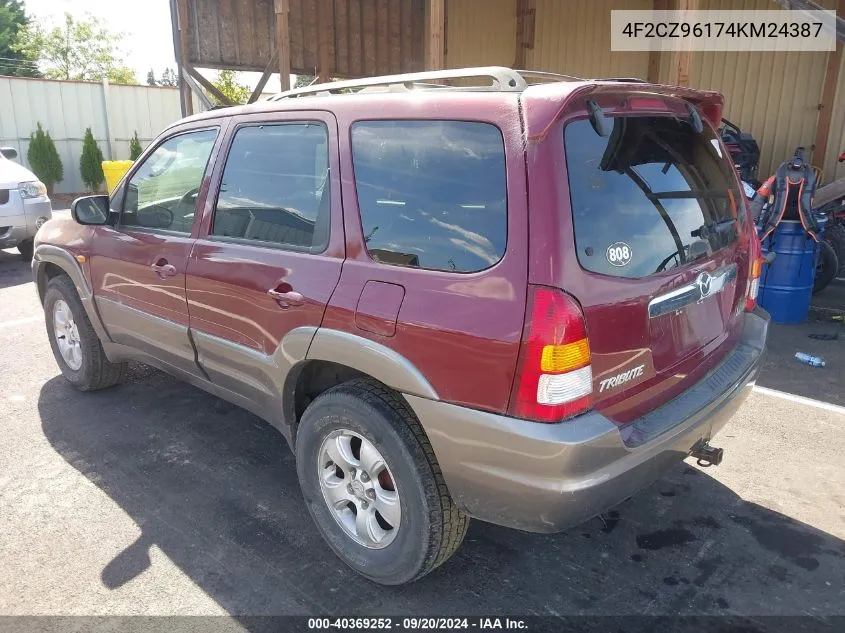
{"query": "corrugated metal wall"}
{"type": "Point", "coordinates": [573, 37]}
{"type": "Point", "coordinates": [774, 96]}
{"type": "Point", "coordinates": [66, 108]}
{"type": "Point", "coordinates": [836, 139]}
{"type": "Point", "coordinates": [480, 33]}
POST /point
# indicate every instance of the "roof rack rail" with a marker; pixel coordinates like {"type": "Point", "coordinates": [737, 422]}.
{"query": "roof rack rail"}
{"type": "Point", "coordinates": [493, 78]}
{"type": "Point", "coordinates": [633, 80]}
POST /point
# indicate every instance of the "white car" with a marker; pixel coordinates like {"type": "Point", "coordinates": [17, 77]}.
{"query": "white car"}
{"type": "Point", "coordinates": [24, 205]}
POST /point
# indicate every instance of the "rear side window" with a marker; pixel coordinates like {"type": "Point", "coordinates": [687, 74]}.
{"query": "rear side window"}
{"type": "Point", "coordinates": [275, 187]}
{"type": "Point", "coordinates": [652, 196]}
{"type": "Point", "coordinates": [432, 194]}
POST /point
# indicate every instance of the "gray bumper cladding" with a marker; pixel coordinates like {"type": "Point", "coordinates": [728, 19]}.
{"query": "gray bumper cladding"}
{"type": "Point", "coordinates": [548, 477]}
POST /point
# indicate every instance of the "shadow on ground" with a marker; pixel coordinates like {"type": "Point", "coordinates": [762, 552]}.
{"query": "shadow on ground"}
{"type": "Point", "coordinates": [215, 489]}
{"type": "Point", "coordinates": [14, 271]}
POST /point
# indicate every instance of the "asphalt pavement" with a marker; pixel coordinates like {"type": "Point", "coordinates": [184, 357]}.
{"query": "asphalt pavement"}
{"type": "Point", "coordinates": [154, 498]}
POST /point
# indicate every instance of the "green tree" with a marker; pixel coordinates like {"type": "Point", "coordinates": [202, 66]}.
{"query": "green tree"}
{"type": "Point", "coordinates": [151, 78]}
{"type": "Point", "coordinates": [90, 163]}
{"type": "Point", "coordinates": [303, 80]}
{"type": "Point", "coordinates": [122, 75]}
{"type": "Point", "coordinates": [14, 62]}
{"type": "Point", "coordinates": [135, 148]}
{"type": "Point", "coordinates": [169, 78]}
{"type": "Point", "coordinates": [227, 83]}
{"type": "Point", "coordinates": [80, 49]}
{"type": "Point", "coordinates": [44, 158]}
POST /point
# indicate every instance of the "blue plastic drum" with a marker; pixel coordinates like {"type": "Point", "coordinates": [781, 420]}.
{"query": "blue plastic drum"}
{"type": "Point", "coordinates": [786, 285]}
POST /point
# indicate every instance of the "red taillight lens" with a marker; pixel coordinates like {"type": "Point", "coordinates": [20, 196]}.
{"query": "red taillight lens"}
{"type": "Point", "coordinates": [753, 285]}
{"type": "Point", "coordinates": [554, 378]}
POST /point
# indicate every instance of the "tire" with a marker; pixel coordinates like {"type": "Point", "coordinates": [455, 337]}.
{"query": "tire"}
{"type": "Point", "coordinates": [25, 249]}
{"type": "Point", "coordinates": [827, 268]}
{"type": "Point", "coordinates": [834, 234]}
{"type": "Point", "coordinates": [95, 371]}
{"type": "Point", "coordinates": [431, 527]}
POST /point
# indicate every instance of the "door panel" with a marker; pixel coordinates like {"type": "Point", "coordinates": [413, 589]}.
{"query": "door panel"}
{"type": "Point", "coordinates": [270, 251]}
{"type": "Point", "coordinates": [138, 266]}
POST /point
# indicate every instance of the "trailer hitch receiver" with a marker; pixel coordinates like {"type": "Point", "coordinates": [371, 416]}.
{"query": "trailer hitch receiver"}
{"type": "Point", "coordinates": [707, 455]}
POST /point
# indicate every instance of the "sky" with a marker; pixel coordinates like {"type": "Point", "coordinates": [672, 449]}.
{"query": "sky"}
{"type": "Point", "coordinates": [147, 41]}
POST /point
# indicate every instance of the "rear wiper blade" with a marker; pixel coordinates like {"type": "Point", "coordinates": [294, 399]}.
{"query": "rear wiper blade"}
{"type": "Point", "coordinates": [705, 230]}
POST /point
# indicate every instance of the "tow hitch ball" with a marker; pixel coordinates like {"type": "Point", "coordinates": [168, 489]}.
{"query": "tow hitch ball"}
{"type": "Point", "coordinates": [707, 455]}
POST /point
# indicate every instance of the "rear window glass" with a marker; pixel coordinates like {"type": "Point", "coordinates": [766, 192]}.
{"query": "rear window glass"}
{"type": "Point", "coordinates": [431, 194]}
{"type": "Point", "coordinates": [652, 196]}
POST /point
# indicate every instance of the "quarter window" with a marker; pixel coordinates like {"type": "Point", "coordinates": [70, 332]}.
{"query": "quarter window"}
{"type": "Point", "coordinates": [432, 194]}
{"type": "Point", "coordinates": [276, 186]}
{"type": "Point", "coordinates": [162, 193]}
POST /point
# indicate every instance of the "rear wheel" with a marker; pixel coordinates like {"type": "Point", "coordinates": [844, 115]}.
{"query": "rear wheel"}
{"type": "Point", "coordinates": [373, 486]}
{"type": "Point", "coordinates": [827, 267]}
{"type": "Point", "coordinates": [75, 344]}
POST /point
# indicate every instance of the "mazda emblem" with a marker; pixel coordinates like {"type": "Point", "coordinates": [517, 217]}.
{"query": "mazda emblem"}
{"type": "Point", "coordinates": [703, 283]}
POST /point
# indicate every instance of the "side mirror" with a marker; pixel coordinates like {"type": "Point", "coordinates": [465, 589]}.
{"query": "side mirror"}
{"type": "Point", "coordinates": [91, 210]}
{"type": "Point", "coordinates": [9, 152]}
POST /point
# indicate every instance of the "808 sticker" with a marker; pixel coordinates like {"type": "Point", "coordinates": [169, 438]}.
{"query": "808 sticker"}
{"type": "Point", "coordinates": [619, 254]}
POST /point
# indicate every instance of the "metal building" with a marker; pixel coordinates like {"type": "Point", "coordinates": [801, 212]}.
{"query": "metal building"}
{"type": "Point", "coordinates": [783, 99]}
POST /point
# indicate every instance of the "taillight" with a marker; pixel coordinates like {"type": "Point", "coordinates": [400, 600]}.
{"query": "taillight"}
{"type": "Point", "coordinates": [753, 285]}
{"type": "Point", "coordinates": [554, 379]}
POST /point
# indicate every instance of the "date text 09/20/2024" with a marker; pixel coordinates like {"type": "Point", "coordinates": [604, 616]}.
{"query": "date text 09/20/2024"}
{"type": "Point", "coordinates": [415, 624]}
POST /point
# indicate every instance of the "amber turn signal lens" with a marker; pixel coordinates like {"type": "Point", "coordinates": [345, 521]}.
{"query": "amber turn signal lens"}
{"type": "Point", "coordinates": [560, 358]}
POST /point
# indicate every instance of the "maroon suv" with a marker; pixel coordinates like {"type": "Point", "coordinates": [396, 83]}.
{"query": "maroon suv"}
{"type": "Point", "coordinates": [455, 294]}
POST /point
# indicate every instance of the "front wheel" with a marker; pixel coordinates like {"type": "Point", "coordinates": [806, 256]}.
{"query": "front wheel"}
{"type": "Point", "coordinates": [373, 486]}
{"type": "Point", "coordinates": [75, 344]}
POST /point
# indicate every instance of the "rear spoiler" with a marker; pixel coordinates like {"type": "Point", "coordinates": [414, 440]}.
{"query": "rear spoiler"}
{"type": "Point", "coordinates": [544, 104]}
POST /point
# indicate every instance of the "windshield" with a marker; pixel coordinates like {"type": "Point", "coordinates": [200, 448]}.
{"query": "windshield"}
{"type": "Point", "coordinates": [651, 196]}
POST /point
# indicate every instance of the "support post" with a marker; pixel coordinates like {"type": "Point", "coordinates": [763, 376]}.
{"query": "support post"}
{"type": "Point", "coordinates": [205, 83]}
{"type": "Point", "coordinates": [183, 61]}
{"type": "Point", "coordinates": [681, 67]}
{"type": "Point", "coordinates": [654, 56]}
{"type": "Point", "coordinates": [106, 112]}
{"type": "Point", "coordinates": [526, 12]}
{"type": "Point", "coordinates": [282, 8]}
{"type": "Point", "coordinates": [268, 70]}
{"type": "Point", "coordinates": [435, 17]}
{"type": "Point", "coordinates": [325, 33]}
{"type": "Point", "coordinates": [834, 59]}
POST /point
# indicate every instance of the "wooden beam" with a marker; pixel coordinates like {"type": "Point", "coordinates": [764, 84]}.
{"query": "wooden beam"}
{"type": "Point", "coordinates": [834, 59]}
{"type": "Point", "coordinates": [182, 6]}
{"type": "Point", "coordinates": [526, 11]}
{"type": "Point", "coordinates": [202, 96]}
{"type": "Point", "coordinates": [681, 67]}
{"type": "Point", "coordinates": [205, 83]}
{"type": "Point", "coordinates": [282, 8]}
{"type": "Point", "coordinates": [263, 79]}
{"type": "Point", "coordinates": [435, 17]}
{"type": "Point", "coordinates": [654, 55]}
{"type": "Point", "coordinates": [325, 34]}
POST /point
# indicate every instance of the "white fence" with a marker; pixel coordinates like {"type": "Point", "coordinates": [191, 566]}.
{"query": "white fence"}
{"type": "Point", "coordinates": [65, 108]}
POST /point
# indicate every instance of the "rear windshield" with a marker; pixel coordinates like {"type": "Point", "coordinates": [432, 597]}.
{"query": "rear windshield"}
{"type": "Point", "coordinates": [651, 196]}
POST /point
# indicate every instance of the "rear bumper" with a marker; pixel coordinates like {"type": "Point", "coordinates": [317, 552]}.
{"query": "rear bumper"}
{"type": "Point", "coordinates": [548, 477]}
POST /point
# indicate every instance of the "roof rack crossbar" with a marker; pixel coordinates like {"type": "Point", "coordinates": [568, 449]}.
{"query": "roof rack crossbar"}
{"type": "Point", "coordinates": [503, 80]}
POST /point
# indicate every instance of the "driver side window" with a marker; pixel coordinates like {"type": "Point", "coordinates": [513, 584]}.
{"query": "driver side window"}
{"type": "Point", "coordinates": [162, 193]}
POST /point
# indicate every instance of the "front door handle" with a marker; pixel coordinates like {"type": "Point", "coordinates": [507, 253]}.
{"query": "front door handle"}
{"type": "Point", "coordinates": [291, 297]}
{"type": "Point", "coordinates": [163, 269]}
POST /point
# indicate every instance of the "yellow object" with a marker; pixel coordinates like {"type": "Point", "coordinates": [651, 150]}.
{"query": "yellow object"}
{"type": "Point", "coordinates": [560, 358]}
{"type": "Point", "coordinates": [81, 259]}
{"type": "Point", "coordinates": [114, 170]}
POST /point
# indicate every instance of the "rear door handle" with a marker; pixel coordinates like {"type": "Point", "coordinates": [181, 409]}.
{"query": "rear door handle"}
{"type": "Point", "coordinates": [290, 297]}
{"type": "Point", "coordinates": [163, 269]}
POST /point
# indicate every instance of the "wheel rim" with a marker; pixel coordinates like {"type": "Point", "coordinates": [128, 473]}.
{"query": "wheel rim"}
{"type": "Point", "coordinates": [359, 489]}
{"type": "Point", "coordinates": [67, 335]}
